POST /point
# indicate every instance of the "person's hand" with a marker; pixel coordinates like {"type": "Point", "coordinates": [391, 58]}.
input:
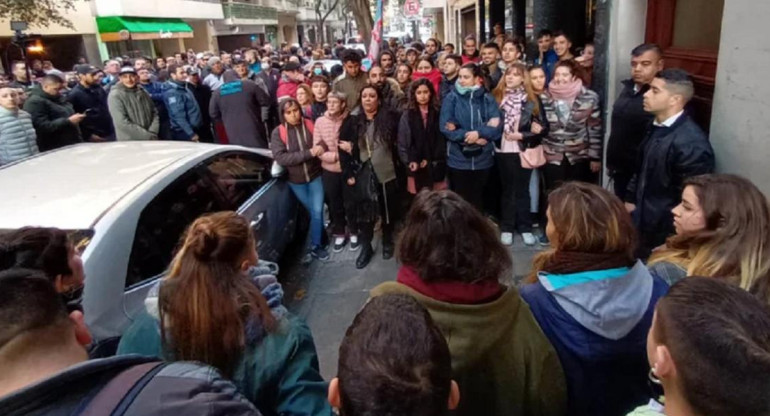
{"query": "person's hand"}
{"type": "Point", "coordinates": [352, 181]}
{"type": "Point", "coordinates": [450, 126]}
{"type": "Point", "coordinates": [630, 207]}
{"type": "Point", "coordinates": [471, 137]}
{"type": "Point", "coordinates": [195, 138]}
{"type": "Point", "coordinates": [481, 142]}
{"type": "Point", "coordinates": [95, 138]}
{"type": "Point", "coordinates": [536, 128]}
{"type": "Point", "coordinates": [494, 122]}
{"type": "Point", "coordinates": [76, 118]}
{"type": "Point", "coordinates": [346, 146]}
{"type": "Point", "coordinates": [596, 167]}
{"type": "Point", "coordinates": [423, 164]}
{"type": "Point", "coordinates": [413, 166]}
{"type": "Point", "coordinates": [316, 151]}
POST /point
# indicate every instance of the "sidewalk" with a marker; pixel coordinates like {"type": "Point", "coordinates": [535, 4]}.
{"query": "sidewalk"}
{"type": "Point", "coordinates": [328, 295]}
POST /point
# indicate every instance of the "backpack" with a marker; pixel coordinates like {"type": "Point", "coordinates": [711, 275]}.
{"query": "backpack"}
{"type": "Point", "coordinates": [119, 393]}
{"type": "Point", "coordinates": [283, 133]}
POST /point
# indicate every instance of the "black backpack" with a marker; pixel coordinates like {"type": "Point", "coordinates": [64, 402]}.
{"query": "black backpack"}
{"type": "Point", "coordinates": [119, 393]}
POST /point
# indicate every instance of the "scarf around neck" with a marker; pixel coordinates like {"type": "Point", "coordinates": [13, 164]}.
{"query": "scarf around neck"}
{"type": "Point", "coordinates": [464, 90]}
{"type": "Point", "coordinates": [462, 293]}
{"type": "Point", "coordinates": [567, 92]}
{"type": "Point", "coordinates": [567, 262]}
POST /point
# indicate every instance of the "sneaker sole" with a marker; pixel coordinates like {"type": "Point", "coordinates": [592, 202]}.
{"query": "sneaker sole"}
{"type": "Point", "coordinates": [354, 248]}
{"type": "Point", "coordinates": [338, 250]}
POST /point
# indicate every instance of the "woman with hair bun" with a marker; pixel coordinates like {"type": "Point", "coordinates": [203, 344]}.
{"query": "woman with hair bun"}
{"type": "Point", "coordinates": [211, 308]}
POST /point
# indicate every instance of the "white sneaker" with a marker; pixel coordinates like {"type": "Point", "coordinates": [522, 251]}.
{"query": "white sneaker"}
{"type": "Point", "coordinates": [506, 238]}
{"type": "Point", "coordinates": [529, 239]}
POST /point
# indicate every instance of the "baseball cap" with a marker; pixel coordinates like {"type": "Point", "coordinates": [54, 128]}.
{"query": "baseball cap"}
{"type": "Point", "coordinates": [193, 71]}
{"type": "Point", "coordinates": [199, 55]}
{"type": "Point", "coordinates": [127, 70]}
{"type": "Point", "coordinates": [291, 66]}
{"type": "Point", "coordinates": [84, 69]}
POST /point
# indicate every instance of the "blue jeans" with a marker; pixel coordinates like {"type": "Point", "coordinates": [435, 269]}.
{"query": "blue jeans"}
{"type": "Point", "coordinates": [311, 196]}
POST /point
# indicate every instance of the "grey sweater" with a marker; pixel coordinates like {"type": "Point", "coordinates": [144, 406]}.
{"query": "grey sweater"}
{"type": "Point", "coordinates": [133, 113]}
{"type": "Point", "coordinates": [17, 136]}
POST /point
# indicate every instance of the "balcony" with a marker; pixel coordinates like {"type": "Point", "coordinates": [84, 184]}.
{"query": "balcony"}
{"type": "Point", "coordinates": [180, 9]}
{"type": "Point", "coordinates": [245, 13]}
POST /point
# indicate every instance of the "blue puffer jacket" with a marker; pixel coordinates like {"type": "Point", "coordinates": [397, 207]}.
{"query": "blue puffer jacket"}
{"type": "Point", "coordinates": [17, 136]}
{"type": "Point", "coordinates": [598, 322]}
{"type": "Point", "coordinates": [470, 112]}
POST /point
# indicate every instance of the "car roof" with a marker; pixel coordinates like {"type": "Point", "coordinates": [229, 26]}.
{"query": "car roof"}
{"type": "Point", "coordinates": [71, 188]}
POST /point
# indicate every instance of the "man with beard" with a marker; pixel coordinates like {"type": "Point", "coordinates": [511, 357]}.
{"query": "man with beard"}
{"type": "Point", "coordinates": [89, 98]}
{"type": "Point", "coordinates": [392, 97]}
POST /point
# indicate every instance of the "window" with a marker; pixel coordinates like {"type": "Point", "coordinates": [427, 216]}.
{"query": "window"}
{"type": "Point", "coordinates": [163, 221]}
{"type": "Point", "coordinates": [222, 183]}
{"type": "Point", "coordinates": [238, 176]}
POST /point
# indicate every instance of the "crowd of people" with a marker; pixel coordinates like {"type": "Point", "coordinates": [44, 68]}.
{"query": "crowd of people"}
{"type": "Point", "coordinates": [653, 295]}
{"type": "Point", "coordinates": [499, 132]}
{"type": "Point", "coordinates": [592, 331]}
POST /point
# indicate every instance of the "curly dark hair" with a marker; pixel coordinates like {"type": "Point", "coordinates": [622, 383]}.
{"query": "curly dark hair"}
{"type": "Point", "coordinates": [412, 103]}
{"type": "Point", "coordinates": [446, 239]}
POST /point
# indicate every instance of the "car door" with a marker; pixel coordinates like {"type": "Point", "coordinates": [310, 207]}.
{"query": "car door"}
{"type": "Point", "coordinates": [245, 181]}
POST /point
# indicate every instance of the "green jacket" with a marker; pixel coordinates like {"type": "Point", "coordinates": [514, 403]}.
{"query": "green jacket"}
{"type": "Point", "coordinates": [501, 360]}
{"type": "Point", "coordinates": [279, 375]}
{"type": "Point", "coordinates": [133, 113]}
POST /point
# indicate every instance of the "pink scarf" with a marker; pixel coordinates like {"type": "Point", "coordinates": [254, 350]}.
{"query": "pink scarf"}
{"type": "Point", "coordinates": [568, 92]}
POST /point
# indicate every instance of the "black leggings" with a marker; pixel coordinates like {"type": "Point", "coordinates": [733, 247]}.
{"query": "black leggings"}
{"type": "Point", "coordinates": [333, 185]}
{"type": "Point", "coordinates": [389, 202]}
{"type": "Point", "coordinates": [515, 198]}
{"type": "Point", "coordinates": [469, 184]}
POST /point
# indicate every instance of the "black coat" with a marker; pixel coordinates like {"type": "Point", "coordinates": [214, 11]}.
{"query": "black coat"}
{"type": "Point", "coordinates": [202, 94]}
{"type": "Point", "coordinates": [50, 118]}
{"type": "Point", "coordinates": [98, 120]}
{"type": "Point", "coordinates": [418, 141]}
{"type": "Point", "coordinates": [629, 128]}
{"type": "Point", "coordinates": [243, 108]}
{"type": "Point", "coordinates": [669, 156]}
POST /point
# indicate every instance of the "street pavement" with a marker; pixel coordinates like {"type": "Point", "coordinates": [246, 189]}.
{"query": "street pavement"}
{"type": "Point", "coordinates": [329, 294]}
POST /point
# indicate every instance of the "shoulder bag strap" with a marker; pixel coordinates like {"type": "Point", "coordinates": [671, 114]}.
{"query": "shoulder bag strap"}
{"type": "Point", "coordinates": [115, 398]}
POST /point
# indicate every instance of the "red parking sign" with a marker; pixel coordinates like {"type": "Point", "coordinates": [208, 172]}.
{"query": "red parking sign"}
{"type": "Point", "coordinates": [411, 8]}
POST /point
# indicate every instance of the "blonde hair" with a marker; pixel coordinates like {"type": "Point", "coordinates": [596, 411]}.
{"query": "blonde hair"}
{"type": "Point", "coordinates": [500, 89]}
{"type": "Point", "coordinates": [735, 244]}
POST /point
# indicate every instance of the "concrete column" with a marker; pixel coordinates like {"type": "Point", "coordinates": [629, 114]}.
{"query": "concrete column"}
{"type": "Point", "coordinates": [496, 14]}
{"type": "Point", "coordinates": [566, 15]}
{"type": "Point", "coordinates": [740, 118]}
{"type": "Point", "coordinates": [481, 13]}
{"type": "Point", "coordinates": [519, 16]}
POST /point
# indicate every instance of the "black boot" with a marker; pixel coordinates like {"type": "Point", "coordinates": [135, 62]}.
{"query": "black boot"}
{"type": "Point", "coordinates": [387, 250]}
{"type": "Point", "coordinates": [366, 255]}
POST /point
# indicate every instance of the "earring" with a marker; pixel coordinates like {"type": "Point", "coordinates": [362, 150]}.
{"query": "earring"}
{"type": "Point", "coordinates": [653, 377]}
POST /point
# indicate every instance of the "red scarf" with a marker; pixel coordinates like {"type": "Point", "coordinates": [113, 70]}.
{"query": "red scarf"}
{"type": "Point", "coordinates": [434, 76]}
{"type": "Point", "coordinates": [462, 293]}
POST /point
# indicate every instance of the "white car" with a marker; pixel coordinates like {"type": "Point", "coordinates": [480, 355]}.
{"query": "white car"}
{"type": "Point", "coordinates": [128, 203]}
